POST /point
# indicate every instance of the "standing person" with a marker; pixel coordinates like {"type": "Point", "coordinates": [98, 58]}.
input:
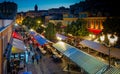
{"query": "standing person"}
{"type": "Point", "coordinates": [31, 45]}
{"type": "Point", "coordinates": [37, 57]}
{"type": "Point", "coordinates": [33, 58]}
{"type": "Point", "coordinates": [38, 50]}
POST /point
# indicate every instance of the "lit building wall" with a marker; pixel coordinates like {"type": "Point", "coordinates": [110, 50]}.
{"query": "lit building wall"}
{"type": "Point", "coordinates": [19, 19]}
{"type": "Point", "coordinates": [5, 36]}
{"type": "Point", "coordinates": [95, 22]}
{"type": "Point", "coordinates": [8, 12]}
{"type": "Point", "coordinates": [0, 54]}
{"type": "Point", "coordinates": [33, 14]}
{"type": "Point", "coordinates": [67, 21]}
{"type": "Point", "coordinates": [92, 22]}
{"type": "Point", "coordinates": [6, 22]}
{"type": "Point", "coordinates": [56, 21]}
{"type": "Point", "coordinates": [47, 18]}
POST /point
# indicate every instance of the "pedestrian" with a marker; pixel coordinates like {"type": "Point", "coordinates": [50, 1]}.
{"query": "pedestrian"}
{"type": "Point", "coordinates": [37, 57]}
{"type": "Point", "coordinates": [33, 58]}
{"type": "Point", "coordinates": [38, 50]}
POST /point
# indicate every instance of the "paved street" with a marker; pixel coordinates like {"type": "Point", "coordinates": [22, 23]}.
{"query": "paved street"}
{"type": "Point", "coordinates": [45, 66]}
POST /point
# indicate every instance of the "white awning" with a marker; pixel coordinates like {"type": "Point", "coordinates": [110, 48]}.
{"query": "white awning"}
{"type": "Point", "coordinates": [61, 36]}
{"type": "Point", "coordinates": [114, 52]}
{"type": "Point", "coordinates": [18, 46]}
{"type": "Point", "coordinates": [87, 62]}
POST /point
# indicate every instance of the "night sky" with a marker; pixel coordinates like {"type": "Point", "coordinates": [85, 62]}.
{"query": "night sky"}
{"type": "Point", "coordinates": [25, 5]}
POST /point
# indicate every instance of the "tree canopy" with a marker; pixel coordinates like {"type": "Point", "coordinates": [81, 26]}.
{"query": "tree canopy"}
{"type": "Point", "coordinates": [58, 27]}
{"type": "Point", "coordinates": [77, 28]}
{"type": "Point", "coordinates": [50, 31]}
{"type": "Point", "coordinates": [111, 25]}
{"type": "Point", "coordinates": [32, 22]}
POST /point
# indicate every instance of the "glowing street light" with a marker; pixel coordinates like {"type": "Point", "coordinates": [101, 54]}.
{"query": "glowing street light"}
{"type": "Point", "coordinates": [31, 30]}
{"type": "Point", "coordinates": [112, 39]}
{"type": "Point", "coordinates": [38, 22]}
{"type": "Point", "coordinates": [16, 24]}
{"type": "Point", "coordinates": [102, 38]}
{"type": "Point", "coordinates": [91, 36]}
{"type": "Point", "coordinates": [59, 38]}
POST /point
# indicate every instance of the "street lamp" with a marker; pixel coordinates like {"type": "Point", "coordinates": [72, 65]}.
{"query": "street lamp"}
{"type": "Point", "coordinates": [112, 38]}
{"type": "Point", "coordinates": [38, 22]}
{"type": "Point", "coordinates": [91, 36]}
{"type": "Point", "coordinates": [31, 30]}
{"type": "Point", "coordinates": [59, 38]}
{"type": "Point", "coordinates": [43, 26]}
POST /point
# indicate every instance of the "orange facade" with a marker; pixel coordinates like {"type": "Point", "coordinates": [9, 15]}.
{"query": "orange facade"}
{"type": "Point", "coordinates": [95, 22]}
{"type": "Point", "coordinates": [5, 36]}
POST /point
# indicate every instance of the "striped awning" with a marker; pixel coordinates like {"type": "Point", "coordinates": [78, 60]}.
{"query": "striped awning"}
{"type": "Point", "coordinates": [87, 62]}
{"type": "Point", "coordinates": [113, 71]}
{"type": "Point", "coordinates": [61, 36]}
{"type": "Point", "coordinates": [101, 48]}
{"type": "Point", "coordinates": [32, 32]}
{"type": "Point", "coordinates": [40, 39]}
{"type": "Point", "coordinates": [18, 46]}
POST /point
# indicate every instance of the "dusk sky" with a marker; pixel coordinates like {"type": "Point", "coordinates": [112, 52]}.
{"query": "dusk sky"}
{"type": "Point", "coordinates": [25, 5]}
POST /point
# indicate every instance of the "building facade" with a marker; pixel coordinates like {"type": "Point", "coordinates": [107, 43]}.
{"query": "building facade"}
{"type": "Point", "coordinates": [8, 12]}
{"type": "Point", "coordinates": [20, 17]}
{"type": "Point", "coordinates": [94, 24]}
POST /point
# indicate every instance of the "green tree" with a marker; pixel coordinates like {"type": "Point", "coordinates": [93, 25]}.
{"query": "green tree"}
{"type": "Point", "coordinates": [81, 28]}
{"type": "Point", "coordinates": [111, 25]}
{"type": "Point", "coordinates": [77, 28]}
{"type": "Point", "coordinates": [73, 28]}
{"type": "Point", "coordinates": [28, 22]}
{"type": "Point", "coordinates": [32, 22]}
{"type": "Point", "coordinates": [67, 29]}
{"type": "Point", "coordinates": [38, 22]}
{"type": "Point", "coordinates": [58, 27]}
{"type": "Point", "coordinates": [50, 32]}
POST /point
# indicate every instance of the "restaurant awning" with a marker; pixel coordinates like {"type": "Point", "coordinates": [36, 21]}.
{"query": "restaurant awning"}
{"type": "Point", "coordinates": [94, 31]}
{"type": "Point", "coordinates": [61, 36]}
{"type": "Point", "coordinates": [16, 35]}
{"type": "Point", "coordinates": [113, 71]}
{"type": "Point", "coordinates": [87, 62]}
{"type": "Point", "coordinates": [101, 48]}
{"type": "Point", "coordinates": [40, 39]}
{"type": "Point", "coordinates": [18, 46]}
{"type": "Point", "coordinates": [32, 32]}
